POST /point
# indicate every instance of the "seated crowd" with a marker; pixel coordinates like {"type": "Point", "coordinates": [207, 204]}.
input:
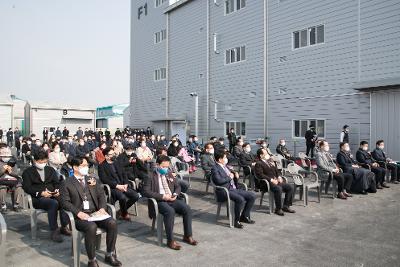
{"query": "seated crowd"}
{"type": "Point", "coordinates": [65, 172]}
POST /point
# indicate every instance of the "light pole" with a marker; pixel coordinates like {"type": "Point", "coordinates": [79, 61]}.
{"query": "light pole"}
{"type": "Point", "coordinates": [196, 112]}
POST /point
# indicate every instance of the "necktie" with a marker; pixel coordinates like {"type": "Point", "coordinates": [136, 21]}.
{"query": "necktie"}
{"type": "Point", "coordinates": [165, 185]}
{"type": "Point", "coordinates": [82, 182]}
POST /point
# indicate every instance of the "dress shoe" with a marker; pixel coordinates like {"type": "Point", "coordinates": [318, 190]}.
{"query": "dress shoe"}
{"type": "Point", "coordinates": [371, 191]}
{"type": "Point", "coordinates": [279, 212]}
{"type": "Point", "coordinates": [247, 220]}
{"type": "Point", "coordinates": [384, 185]}
{"type": "Point", "coordinates": [190, 240]}
{"type": "Point", "coordinates": [341, 195]}
{"type": "Point", "coordinates": [238, 225]}
{"type": "Point", "coordinates": [17, 208]}
{"type": "Point", "coordinates": [112, 260]}
{"type": "Point", "coordinates": [174, 245]}
{"type": "Point", "coordinates": [289, 210]}
{"type": "Point", "coordinates": [125, 217]}
{"type": "Point", "coordinates": [378, 186]}
{"type": "Point", "coordinates": [65, 231]}
{"type": "Point", "coordinates": [395, 182]}
{"type": "Point", "coordinates": [93, 263]}
{"type": "Point", "coordinates": [364, 192]}
{"type": "Point", "coordinates": [56, 237]}
{"type": "Point", "coordinates": [347, 194]}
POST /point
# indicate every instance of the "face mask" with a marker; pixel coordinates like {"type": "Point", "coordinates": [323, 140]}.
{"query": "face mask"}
{"type": "Point", "coordinates": [240, 144]}
{"type": "Point", "coordinates": [365, 148]}
{"type": "Point", "coordinates": [196, 140]}
{"type": "Point", "coordinates": [225, 161]}
{"type": "Point", "coordinates": [211, 151]}
{"type": "Point", "coordinates": [247, 149]}
{"type": "Point", "coordinates": [264, 145]}
{"type": "Point", "coordinates": [40, 166]}
{"type": "Point", "coordinates": [129, 153]}
{"type": "Point", "coordinates": [84, 171]}
{"type": "Point", "coordinates": [57, 150]}
{"type": "Point", "coordinates": [5, 159]}
{"type": "Point", "coordinates": [143, 144]}
{"type": "Point", "coordinates": [326, 148]}
{"type": "Point", "coordinates": [283, 144]}
{"type": "Point", "coordinates": [162, 171]}
{"type": "Point", "coordinates": [381, 147]}
{"type": "Point", "coordinates": [176, 144]}
{"type": "Point", "coordinates": [222, 142]}
{"type": "Point", "coordinates": [29, 142]}
{"type": "Point", "coordinates": [81, 144]}
{"type": "Point", "coordinates": [347, 149]}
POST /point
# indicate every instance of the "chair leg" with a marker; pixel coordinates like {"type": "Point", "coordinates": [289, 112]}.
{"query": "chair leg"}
{"type": "Point", "coordinates": [98, 242]}
{"type": "Point", "coordinates": [33, 224]}
{"type": "Point", "coordinates": [305, 196]}
{"type": "Point", "coordinates": [261, 199]}
{"type": "Point", "coordinates": [136, 209]}
{"type": "Point", "coordinates": [208, 184]}
{"type": "Point", "coordinates": [227, 208]}
{"type": "Point", "coordinates": [271, 203]}
{"type": "Point", "coordinates": [153, 224]}
{"type": "Point", "coordinates": [160, 229]}
{"type": "Point", "coordinates": [218, 210]}
{"type": "Point", "coordinates": [230, 211]}
{"type": "Point", "coordinates": [319, 194]}
{"type": "Point", "coordinates": [76, 248]}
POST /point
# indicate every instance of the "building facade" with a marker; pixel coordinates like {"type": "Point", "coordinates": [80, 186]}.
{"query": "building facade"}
{"type": "Point", "coordinates": [268, 68]}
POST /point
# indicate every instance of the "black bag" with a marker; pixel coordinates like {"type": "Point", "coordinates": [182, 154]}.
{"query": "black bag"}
{"type": "Point", "coordinates": [181, 166]}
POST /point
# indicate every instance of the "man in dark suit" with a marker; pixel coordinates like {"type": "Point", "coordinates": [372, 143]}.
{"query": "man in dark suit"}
{"type": "Point", "coordinates": [364, 157]}
{"type": "Point", "coordinates": [163, 187]}
{"type": "Point", "coordinates": [121, 188]}
{"type": "Point", "coordinates": [244, 200]}
{"type": "Point", "coordinates": [42, 183]}
{"type": "Point", "coordinates": [207, 159]}
{"type": "Point", "coordinates": [231, 139]}
{"type": "Point", "coordinates": [83, 195]}
{"type": "Point", "coordinates": [311, 137]}
{"type": "Point", "coordinates": [265, 168]}
{"type": "Point", "coordinates": [380, 156]}
{"type": "Point", "coordinates": [248, 159]}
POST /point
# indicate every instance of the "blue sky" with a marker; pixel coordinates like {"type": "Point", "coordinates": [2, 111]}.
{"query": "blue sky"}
{"type": "Point", "coordinates": [69, 51]}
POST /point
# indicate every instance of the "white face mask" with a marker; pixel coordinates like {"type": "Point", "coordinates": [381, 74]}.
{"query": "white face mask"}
{"type": "Point", "coordinates": [247, 149]}
{"type": "Point", "coordinates": [225, 161]}
{"type": "Point", "coordinates": [176, 144]}
{"type": "Point", "coordinates": [129, 153]}
{"type": "Point", "coordinates": [57, 150]}
{"type": "Point", "coordinates": [143, 144]}
{"type": "Point", "coordinates": [211, 151]}
{"type": "Point", "coordinates": [381, 147]}
{"type": "Point", "coordinates": [347, 149]}
{"type": "Point", "coordinates": [264, 145]}
{"type": "Point", "coordinates": [40, 166]}
{"type": "Point", "coordinates": [84, 171]}
{"type": "Point", "coordinates": [5, 159]}
{"type": "Point", "coordinates": [364, 148]}
{"type": "Point", "coordinates": [326, 148]}
{"type": "Point", "coordinates": [29, 142]}
{"type": "Point", "coordinates": [283, 144]}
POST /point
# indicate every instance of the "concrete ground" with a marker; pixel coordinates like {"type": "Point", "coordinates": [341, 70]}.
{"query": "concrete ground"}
{"type": "Point", "coordinates": [361, 231]}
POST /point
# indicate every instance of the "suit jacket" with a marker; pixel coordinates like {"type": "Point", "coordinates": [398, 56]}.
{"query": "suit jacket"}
{"type": "Point", "coordinates": [345, 161]}
{"type": "Point", "coordinates": [207, 162]}
{"type": "Point", "coordinates": [325, 164]}
{"type": "Point", "coordinates": [151, 187]}
{"type": "Point", "coordinates": [237, 150]}
{"type": "Point", "coordinates": [264, 171]}
{"type": "Point", "coordinates": [33, 185]}
{"type": "Point", "coordinates": [378, 155]}
{"type": "Point", "coordinates": [72, 195]}
{"type": "Point", "coordinates": [364, 157]}
{"type": "Point", "coordinates": [107, 176]}
{"type": "Point", "coordinates": [246, 159]}
{"type": "Point", "coordinates": [282, 150]}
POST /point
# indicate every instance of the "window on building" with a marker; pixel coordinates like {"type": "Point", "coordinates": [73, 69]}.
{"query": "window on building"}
{"type": "Point", "coordinates": [240, 127]}
{"type": "Point", "coordinates": [160, 36]}
{"type": "Point", "coordinates": [236, 54]}
{"type": "Point", "coordinates": [234, 5]}
{"type": "Point", "coordinates": [300, 127]}
{"type": "Point", "coordinates": [308, 37]}
{"type": "Point", "coordinates": [160, 74]}
{"type": "Point", "coordinates": [158, 3]}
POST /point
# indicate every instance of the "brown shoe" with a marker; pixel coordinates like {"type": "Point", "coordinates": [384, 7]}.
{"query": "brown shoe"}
{"type": "Point", "coordinates": [125, 217]}
{"type": "Point", "coordinates": [174, 245]}
{"type": "Point", "coordinates": [65, 231]}
{"type": "Point", "coordinates": [93, 263]}
{"type": "Point", "coordinates": [289, 210]}
{"type": "Point", "coordinates": [341, 195]}
{"type": "Point", "coordinates": [190, 241]}
{"type": "Point", "coordinates": [347, 194]}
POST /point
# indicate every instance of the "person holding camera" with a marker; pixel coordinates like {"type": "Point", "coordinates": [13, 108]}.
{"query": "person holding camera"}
{"type": "Point", "coordinates": [9, 179]}
{"type": "Point", "coordinates": [42, 183]}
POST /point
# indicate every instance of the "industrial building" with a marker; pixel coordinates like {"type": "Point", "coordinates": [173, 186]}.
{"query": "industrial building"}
{"type": "Point", "coordinates": [268, 68]}
{"type": "Point", "coordinates": [39, 116]}
{"type": "Point", "coordinates": [111, 117]}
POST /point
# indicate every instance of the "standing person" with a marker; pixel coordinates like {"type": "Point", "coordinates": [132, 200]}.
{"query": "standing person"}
{"type": "Point", "coordinates": [58, 132]}
{"type": "Point", "coordinates": [82, 195]}
{"type": "Point", "coordinates": [231, 139]}
{"type": "Point", "coordinates": [10, 137]}
{"type": "Point", "coordinates": [344, 135]}
{"type": "Point", "coordinates": [311, 137]}
{"type": "Point", "coordinates": [65, 132]}
{"type": "Point", "coordinates": [79, 133]}
{"type": "Point", "coordinates": [45, 134]}
{"type": "Point", "coordinates": [1, 135]}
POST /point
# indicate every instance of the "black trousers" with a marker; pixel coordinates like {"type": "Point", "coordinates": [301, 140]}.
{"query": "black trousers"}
{"type": "Point", "coordinates": [89, 229]}
{"type": "Point", "coordinates": [344, 181]}
{"type": "Point", "coordinates": [52, 206]}
{"type": "Point", "coordinates": [244, 200]}
{"type": "Point", "coordinates": [126, 199]}
{"type": "Point", "coordinates": [168, 210]}
{"type": "Point", "coordinates": [380, 174]}
{"type": "Point", "coordinates": [277, 191]}
{"type": "Point", "coordinates": [395, 171]}
{"type": "Point", "coordinates": [310, 147]}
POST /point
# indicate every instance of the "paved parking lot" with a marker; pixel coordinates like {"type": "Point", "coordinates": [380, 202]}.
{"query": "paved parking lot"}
{"type": "Point", "coordinates": [361, 231]}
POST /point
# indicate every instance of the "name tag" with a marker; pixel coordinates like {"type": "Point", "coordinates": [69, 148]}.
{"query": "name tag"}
{"type": "Point", "coordinates": [85, 205]}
